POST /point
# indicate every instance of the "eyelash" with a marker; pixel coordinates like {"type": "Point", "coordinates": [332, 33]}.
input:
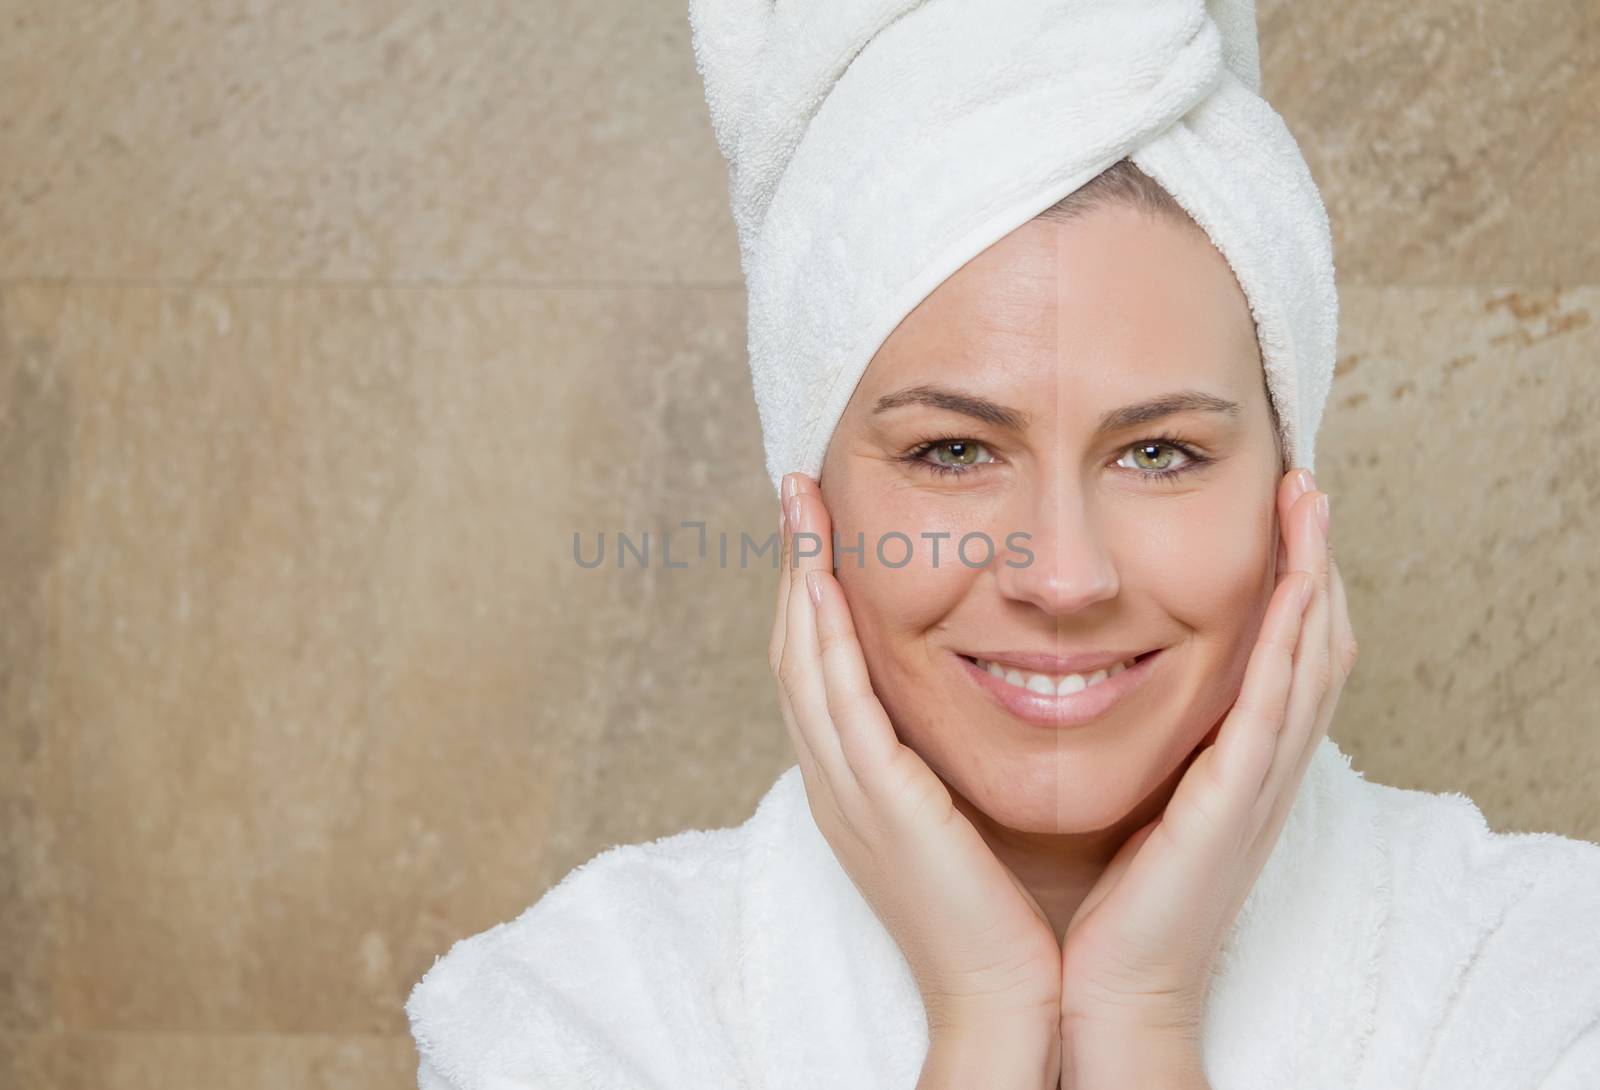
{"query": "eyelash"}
{"type": "Point", "coordinates": [916, 455]}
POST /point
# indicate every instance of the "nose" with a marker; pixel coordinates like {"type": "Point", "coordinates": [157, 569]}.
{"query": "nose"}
{"type": "Point", "coordinates": [1070, 568]}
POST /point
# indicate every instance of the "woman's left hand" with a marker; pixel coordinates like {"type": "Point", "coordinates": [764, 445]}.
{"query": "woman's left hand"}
{"type": "Point", "coordinates": [1138, 954]}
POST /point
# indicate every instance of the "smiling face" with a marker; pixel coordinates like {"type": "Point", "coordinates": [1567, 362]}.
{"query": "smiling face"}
{"type": "Point", "coordinates": [1004, 406]}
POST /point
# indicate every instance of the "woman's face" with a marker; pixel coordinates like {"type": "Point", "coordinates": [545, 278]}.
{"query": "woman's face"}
{"type": "Point", "coordinates": [1096, 553]}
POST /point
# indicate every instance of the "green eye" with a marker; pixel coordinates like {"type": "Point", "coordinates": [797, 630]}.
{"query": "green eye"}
{"type": "Point", "coordinates": [948, 457]}
{"type": "Point", "coordinates": [1153, 458]}
{"type": "Point", "coordinates": [961, 452]}
{"type": "Point", "coordinates": [1144, 459]}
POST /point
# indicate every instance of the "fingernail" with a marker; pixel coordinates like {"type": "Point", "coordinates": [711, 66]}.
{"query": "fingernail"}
{"type": "Point", "coordinates": [783, 520]}
{"type": "Point", "coordinates": [1322, 512]}
{"type": "Point", "coordinates": [788, 487]}
{"type": "Point", "coordinates": [794, 511]}
{"type": "Point", "coordinates": [814, 586]}
{"type": "Point", "coordinates": [1303, 482]}
{"type": "Point", "coordinates": [1306, 586]}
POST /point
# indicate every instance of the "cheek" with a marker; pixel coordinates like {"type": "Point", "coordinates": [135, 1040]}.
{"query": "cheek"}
{"type": "Point", "coordinates": [907, 576]}
{"type": "Point", "coordinates": [1207, 564]}
{"type": "Point", "coordinates": [1206, 557]}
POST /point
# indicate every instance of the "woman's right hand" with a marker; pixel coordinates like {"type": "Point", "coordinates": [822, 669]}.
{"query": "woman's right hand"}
{"type": "Point", "coordinates": [981, 949]}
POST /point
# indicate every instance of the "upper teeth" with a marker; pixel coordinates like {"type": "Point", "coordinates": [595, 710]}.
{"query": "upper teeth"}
{"type": "Point", "coordinates": [1050, 684]}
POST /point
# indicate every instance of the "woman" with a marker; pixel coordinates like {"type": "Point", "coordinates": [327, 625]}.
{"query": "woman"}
{"type": "Point", "coordinates": [1059, 637]}
{"type": "Point", "coordinates": [1164, 569]}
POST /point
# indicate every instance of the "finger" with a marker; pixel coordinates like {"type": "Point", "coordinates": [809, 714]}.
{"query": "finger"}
{"type": "Point", "coordinates": [819, 788]}
{"type": "Point", "coordinates": [1251, 733]}
{"type": "Point", "coordinates": [801, 664]}
{"type": "Point", "coordinates": [1266, 690]}
{"type": "Point", "coordinates": [866, 735]}
{"type": "Point", "coordinates": [1343, 660]}
{"type": "Point", "coordinates": [1312, 671]}
{"type": "Point", "coordinates": [1343, 652]}
{"type": "Point", "coordinates": [1294, 484]}
{"type": "Point", "coordinates": [813, 539]}
{"type": "Point", "coordinates": [1208, 814]}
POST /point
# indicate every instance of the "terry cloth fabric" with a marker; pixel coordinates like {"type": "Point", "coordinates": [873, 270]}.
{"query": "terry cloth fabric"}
{"type": "Point", "coordinates": [874, 147]}
{"type": "Point", "coordinates": [1391, 940]}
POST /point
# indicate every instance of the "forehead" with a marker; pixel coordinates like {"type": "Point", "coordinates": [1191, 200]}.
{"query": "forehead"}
{"type": "Point", "coordinates": [1113, 304]}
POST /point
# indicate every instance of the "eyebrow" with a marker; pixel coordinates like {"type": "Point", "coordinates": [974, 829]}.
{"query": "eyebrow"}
{"type": "Point", "coordinates": [990, 412]}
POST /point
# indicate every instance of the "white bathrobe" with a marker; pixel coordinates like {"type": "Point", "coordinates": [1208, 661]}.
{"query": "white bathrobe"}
{"type": "Point", "coordinates": [1392, 941]}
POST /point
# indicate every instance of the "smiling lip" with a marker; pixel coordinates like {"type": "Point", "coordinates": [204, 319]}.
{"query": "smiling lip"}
{"type": "Point", "coordinates": [1071, 710]}
{"type": "Point", "coordinates": [1037, 663]}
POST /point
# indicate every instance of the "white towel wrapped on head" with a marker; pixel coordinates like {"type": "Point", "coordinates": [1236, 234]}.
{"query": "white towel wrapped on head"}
{"type": "Point", "coordinates": [876, 146]}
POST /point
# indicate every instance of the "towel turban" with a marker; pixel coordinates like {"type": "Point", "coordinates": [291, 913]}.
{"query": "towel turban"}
{"type": "Point", "coordinates": [875, 146]}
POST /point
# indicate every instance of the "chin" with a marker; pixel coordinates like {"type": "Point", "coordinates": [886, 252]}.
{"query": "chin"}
{"type": "Point", "coordinates": [1058, 794]}
{"type": "Point", "coordinates": [1066, 802]}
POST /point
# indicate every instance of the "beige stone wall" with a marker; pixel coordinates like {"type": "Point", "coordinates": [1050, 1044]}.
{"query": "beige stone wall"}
{"type": "Point", "coordinates": [323, 327]}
